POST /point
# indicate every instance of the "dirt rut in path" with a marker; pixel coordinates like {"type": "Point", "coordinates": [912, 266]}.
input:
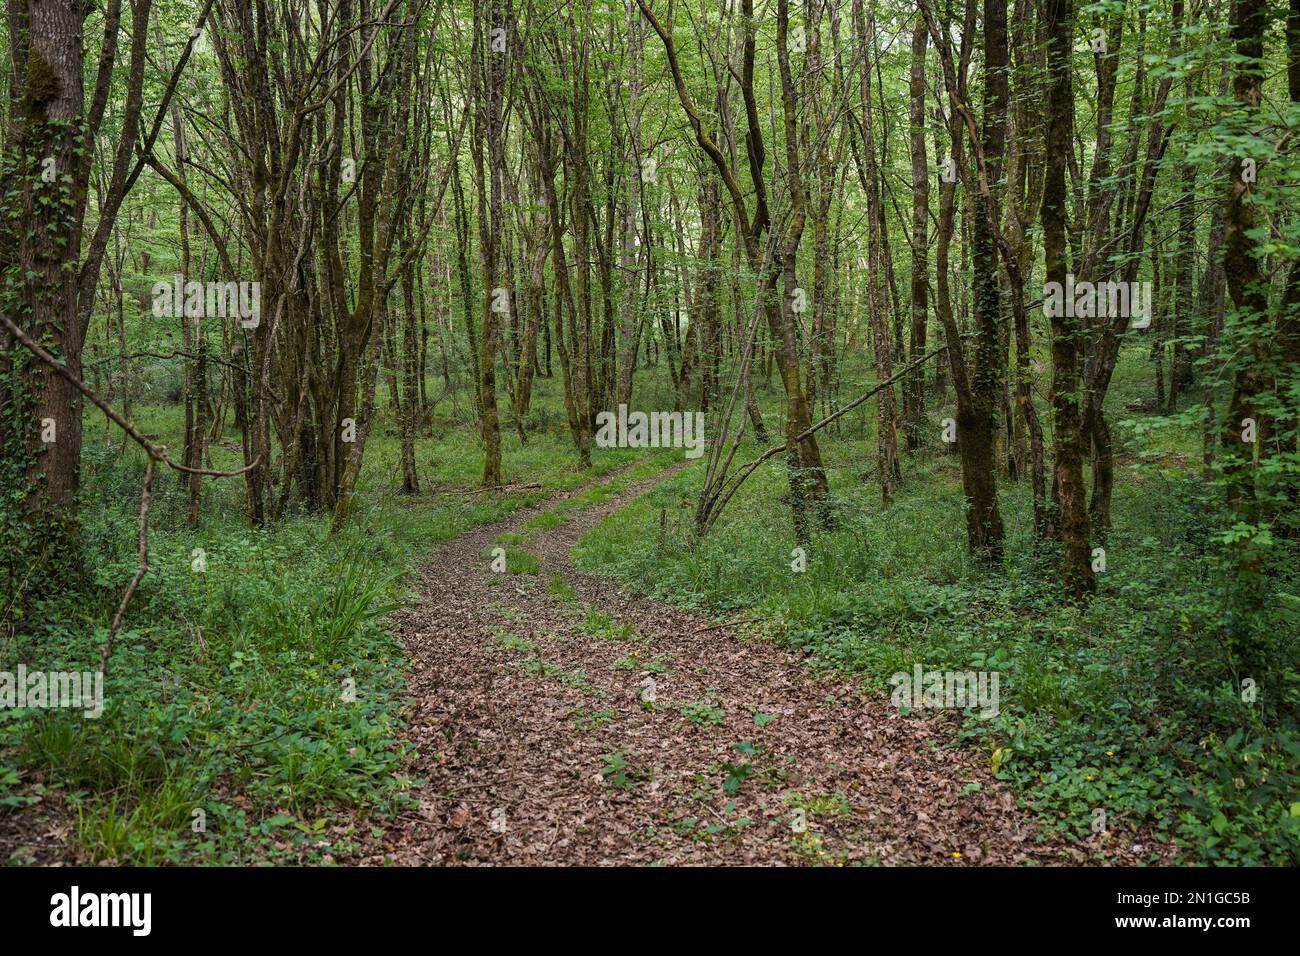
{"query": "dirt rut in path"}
{"type": "Point", "coordinates": [575, 723]}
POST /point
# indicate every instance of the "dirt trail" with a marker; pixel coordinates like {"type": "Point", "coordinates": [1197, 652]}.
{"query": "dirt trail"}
{"type": "Point", "coordinates": [538, 746]}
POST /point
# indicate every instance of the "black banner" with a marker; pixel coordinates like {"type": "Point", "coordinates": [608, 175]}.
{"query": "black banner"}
{"type": "Point", "coordinates": [333, 906]}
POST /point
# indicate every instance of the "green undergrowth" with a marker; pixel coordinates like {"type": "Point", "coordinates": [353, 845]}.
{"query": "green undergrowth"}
{"type": "Point", "coordinates": [252, 708]}
{"type": "Point", "coordinates": [1134, 706]}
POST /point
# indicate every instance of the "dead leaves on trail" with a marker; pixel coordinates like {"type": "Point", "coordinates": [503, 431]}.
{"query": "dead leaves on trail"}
{"type": "Point", "coordinates": [539, 742]}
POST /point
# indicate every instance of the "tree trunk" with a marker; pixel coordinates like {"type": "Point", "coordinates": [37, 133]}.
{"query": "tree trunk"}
{"type": "Point", "coordinates": [1067, 439]}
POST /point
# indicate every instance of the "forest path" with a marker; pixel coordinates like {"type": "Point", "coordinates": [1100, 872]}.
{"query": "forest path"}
{"type": "Point", "coordinates": [537, 746]}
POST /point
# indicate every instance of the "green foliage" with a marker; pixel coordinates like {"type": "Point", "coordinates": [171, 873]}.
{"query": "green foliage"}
{"type": "Point", "coordinates": [599, 624]}
{"type": "Point", "coordinates": [619, 772]}
{"type": "Point", "coordinates": [1134, 705]}
{"type": "Point", "coordinates": [562, 589]}
{"type": "Point", "coordinates": [228, 694]}
{"type": "Point", "coordinates": [595, 719]}
{"type": "Point", "coordinates": [704, 713]}
{"type": "Point", "coordinates": [264, 691]}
